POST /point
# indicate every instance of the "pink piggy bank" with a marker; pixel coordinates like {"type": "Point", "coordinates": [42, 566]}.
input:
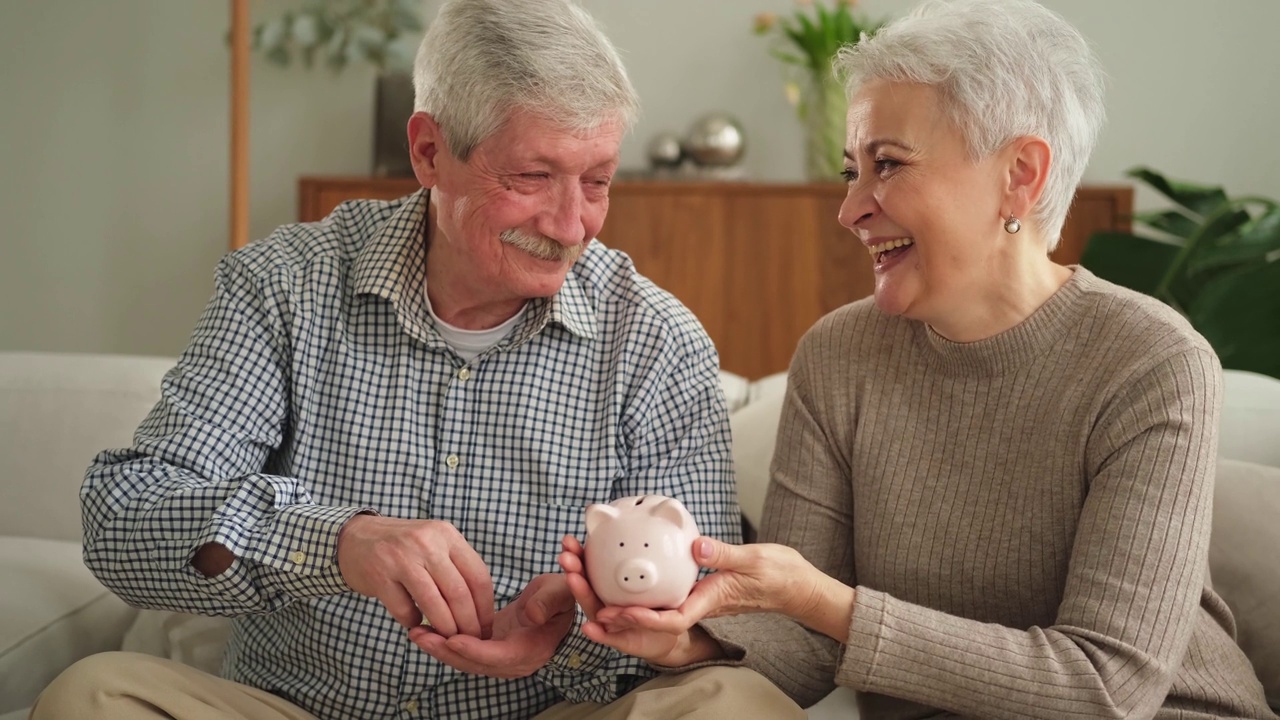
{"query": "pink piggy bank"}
{"type": "Point", "coordinates": [639, 551]}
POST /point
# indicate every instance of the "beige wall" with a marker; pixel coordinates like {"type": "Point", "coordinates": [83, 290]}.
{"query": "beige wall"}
{"type": "Point", "coordinates": [113, 160]}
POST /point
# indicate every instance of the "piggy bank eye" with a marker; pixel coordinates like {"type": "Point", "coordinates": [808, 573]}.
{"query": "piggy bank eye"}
{"type": "Point", "coordinates": [646, 544]}
{"type": "Point", "coordinates": [622, 544]}
{"type": "Point", "coordinates": [639, 501]}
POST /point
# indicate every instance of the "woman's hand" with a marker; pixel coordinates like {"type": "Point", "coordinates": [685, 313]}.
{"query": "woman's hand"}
{"type": "Point", "coordinates": [749, 578]}
{"type": "Point", "coordinates": [660, 647]}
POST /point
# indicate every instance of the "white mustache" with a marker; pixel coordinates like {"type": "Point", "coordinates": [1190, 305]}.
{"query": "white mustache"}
{"type": "Point", "coordinates": [539, 246]}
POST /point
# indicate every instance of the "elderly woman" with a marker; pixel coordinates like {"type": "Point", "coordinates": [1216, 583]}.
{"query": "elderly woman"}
{"type": "Point", "coordinates": [992, 486]}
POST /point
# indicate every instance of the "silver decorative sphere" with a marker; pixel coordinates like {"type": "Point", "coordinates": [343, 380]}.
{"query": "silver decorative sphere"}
{"type": "Point", "coordinates": [715, 140]}
{"type": "Point", "coordinates": [665, 151]}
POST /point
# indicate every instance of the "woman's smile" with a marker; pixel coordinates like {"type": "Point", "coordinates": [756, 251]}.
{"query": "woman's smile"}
{"type": "Point", "coordinates": [887, 253]}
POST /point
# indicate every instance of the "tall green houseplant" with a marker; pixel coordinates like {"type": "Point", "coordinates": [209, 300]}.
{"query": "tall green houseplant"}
{"type": "Point", "coordinates": [1214, 258]}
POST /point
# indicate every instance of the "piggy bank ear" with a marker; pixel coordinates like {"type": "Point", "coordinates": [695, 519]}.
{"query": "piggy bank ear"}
{"type": "Point", "coordinates": [671, 511]}
{"type": "Point", "coordinates": [597, 515]}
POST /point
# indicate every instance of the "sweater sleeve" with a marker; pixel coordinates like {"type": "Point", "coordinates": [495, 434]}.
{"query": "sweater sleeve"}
{"type": "Point", "coordinates": [808, 507]}
{"type": "Point", "coordinates": [1131, 595]}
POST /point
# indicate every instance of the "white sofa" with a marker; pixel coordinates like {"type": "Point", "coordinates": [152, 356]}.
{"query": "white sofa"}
{"type": "Point", "coordinates": [58, 410]}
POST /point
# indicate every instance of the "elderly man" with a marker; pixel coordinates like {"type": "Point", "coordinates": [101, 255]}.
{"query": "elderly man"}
{"type": "Point", "coordinates": [386, 421]}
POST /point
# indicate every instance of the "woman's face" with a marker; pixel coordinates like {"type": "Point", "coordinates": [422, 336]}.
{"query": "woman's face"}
{"type": "Point", "coordinates": [928, 214]}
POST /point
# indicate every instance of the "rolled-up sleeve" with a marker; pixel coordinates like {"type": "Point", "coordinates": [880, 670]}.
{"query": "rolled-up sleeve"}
{"type": "Point", "coordinates": [196, 474]}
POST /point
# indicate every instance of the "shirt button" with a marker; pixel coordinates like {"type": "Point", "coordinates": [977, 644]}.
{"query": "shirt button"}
{"type": "Point", "coordinates": [464, 374]}
{"type": "Point", "coordinates": [452, 461]}
{"type": "Point", "coordinates": [411, 706]}
{"type": "Point", "coordinates": [575, 661]}
{"type": "Point", "coordinates": [298, 557]}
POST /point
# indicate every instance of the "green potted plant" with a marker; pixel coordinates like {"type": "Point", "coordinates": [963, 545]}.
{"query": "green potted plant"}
{"type": "Point", "coordinates": [339, 33]}
{"type": "Point", "coordinates": [1214, 258]}
{"type": "Point", "coordinates": [806, 41]}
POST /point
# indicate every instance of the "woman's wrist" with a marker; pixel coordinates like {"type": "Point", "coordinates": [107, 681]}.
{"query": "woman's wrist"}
{"type": "Point", "coordinates": [697, 646]}
{"type": "Point", "coordinates": [826, 608]}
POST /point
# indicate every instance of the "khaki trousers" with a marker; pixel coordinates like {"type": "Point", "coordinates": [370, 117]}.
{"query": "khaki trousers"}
{"type": "Point", "coordinates": [131, 686]}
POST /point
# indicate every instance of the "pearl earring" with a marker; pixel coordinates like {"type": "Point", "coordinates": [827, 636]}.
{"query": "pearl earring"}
{"type": "Point", "coordinates": [1012, 225]}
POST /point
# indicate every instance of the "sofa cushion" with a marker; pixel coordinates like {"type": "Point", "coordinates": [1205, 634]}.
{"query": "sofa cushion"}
{"type": "Point", "coordinates": [1242, 561]}
{"type": "Point", "coordinates": [57, 411]}
{"type": "Point", "coordinates": [1250, 421]}
{"type": "Point", "coordinates": [737, 389]}
{"type": "Point", "coordinates": [755, 430]}
{"type": "Point", "coordinates": [52, 613]}
{"type": "Point", "coordinates": [195, 640]}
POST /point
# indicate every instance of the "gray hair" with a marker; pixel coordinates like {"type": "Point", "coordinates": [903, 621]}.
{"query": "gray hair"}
{"type": "Point", "coordinates": [482, 59]}
{"type": "Point", "coordinates": [1003, 69]}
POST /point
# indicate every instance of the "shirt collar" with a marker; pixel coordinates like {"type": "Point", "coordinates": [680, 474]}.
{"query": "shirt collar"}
{"type": "Point", "coordinates": [393, 265]}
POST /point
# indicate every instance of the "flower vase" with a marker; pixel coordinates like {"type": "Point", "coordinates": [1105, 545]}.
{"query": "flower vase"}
{"type": "Point", "coordinates": [822, 109]}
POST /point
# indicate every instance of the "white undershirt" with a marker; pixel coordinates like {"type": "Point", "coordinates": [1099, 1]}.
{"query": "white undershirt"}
{"type": "Point", "coordinates": [470, 343]}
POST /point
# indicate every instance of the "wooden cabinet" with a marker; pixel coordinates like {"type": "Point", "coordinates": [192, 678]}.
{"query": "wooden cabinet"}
{"type": "Point", "coordinates": [757, 263]}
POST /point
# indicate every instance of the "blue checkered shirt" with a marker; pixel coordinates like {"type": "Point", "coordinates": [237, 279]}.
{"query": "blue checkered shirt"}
{"type": "Point", "coordinates": [315, 386]}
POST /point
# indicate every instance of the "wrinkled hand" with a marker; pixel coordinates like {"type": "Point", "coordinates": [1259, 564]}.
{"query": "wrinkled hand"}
{"type": "Point", "coordinates": [526, 633]}
{"type": "Point", "coordinates": [749, 578]}
{"type": "Point", "coordinates": [417, 567]}
{"type": "Point", "coordinates": [608, 626]}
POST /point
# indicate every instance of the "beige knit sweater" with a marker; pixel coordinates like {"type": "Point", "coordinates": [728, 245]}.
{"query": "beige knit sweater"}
{"type": "Point", "coordinates": [1026, 518]}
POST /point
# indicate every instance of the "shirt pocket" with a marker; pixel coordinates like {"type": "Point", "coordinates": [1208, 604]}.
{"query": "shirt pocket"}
{"type": "Point", "coordinates": [553, 522]}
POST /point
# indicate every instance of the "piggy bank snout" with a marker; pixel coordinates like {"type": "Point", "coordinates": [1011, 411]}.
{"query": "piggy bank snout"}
{"type": "Point", "coordinates": [637, 551]}
{"type": "Point", "coordinates": [636, 575]}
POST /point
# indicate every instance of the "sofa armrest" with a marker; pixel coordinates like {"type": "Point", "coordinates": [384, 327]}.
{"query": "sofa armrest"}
{"type": "Point", "coordinates": [1242, 565]}
{"type": "Point", "coordinates": [52, 613]}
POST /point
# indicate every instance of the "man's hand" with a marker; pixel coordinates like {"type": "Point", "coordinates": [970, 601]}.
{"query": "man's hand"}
{"type": "Point", "coordinates": [525, 634]}
{"type": "Point", "coordinates": [417, 567]}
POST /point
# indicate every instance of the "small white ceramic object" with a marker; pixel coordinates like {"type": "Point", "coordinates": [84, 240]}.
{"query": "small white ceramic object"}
{"type": "Point", "coordinates": [639, 551]}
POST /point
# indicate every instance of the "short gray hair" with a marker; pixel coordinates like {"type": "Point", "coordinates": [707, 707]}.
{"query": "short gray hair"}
{"type": "Point", "coordinates": [1003, 69]}
{"type": "Point", "coordinates": [482, 59]}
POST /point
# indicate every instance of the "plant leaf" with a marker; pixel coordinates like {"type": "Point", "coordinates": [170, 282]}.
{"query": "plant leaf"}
{"type": "Point", "coordinates": [1134, 262]}
{"type": "Point", "coordinates": [405, 22]}
{"type": "Point", "coordinates": [1200, 199]}
{"type": "Point", "coordinates": [1265, 231]}
{"type": "Point", "coordinates": [787, 57]}
{"type": "Point", "coordinates": [369, 36]}
{"type": "Point", "coordinates": [274, 34]}
{"type": "Point", "coordinates": [306, 30]}
{"type": "Point", "coordinates": [1255, 241]}
{"type": "Point", "coordinates": [400, 55]}
{"type": "Point", "coordinates": [846, 29]}
{"type": "Point", "coordinates": [335, 49]}
{"type": "Point", "coordinates": [1239, 314]}
{"type": "Point", "coordinates": [406, 14]}
{"type": "Point", "coordinates": [340, 31]}
{"type": "Point", "coordinates": [1171, 222]}
{"type": "Point", "coordinates": [1221, 229]}
{"type": "Point", "coordinates": [1224, 220]}
{"type": "Point", "coordinates": [279, 55]}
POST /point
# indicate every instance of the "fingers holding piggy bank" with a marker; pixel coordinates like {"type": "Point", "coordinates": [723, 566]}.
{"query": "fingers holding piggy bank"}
{"type": "Point", "coordinates": [639, 551]}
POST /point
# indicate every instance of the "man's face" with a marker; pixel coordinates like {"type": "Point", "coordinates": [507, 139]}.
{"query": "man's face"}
{"type": "Point", "coordinates": [515, 216]}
